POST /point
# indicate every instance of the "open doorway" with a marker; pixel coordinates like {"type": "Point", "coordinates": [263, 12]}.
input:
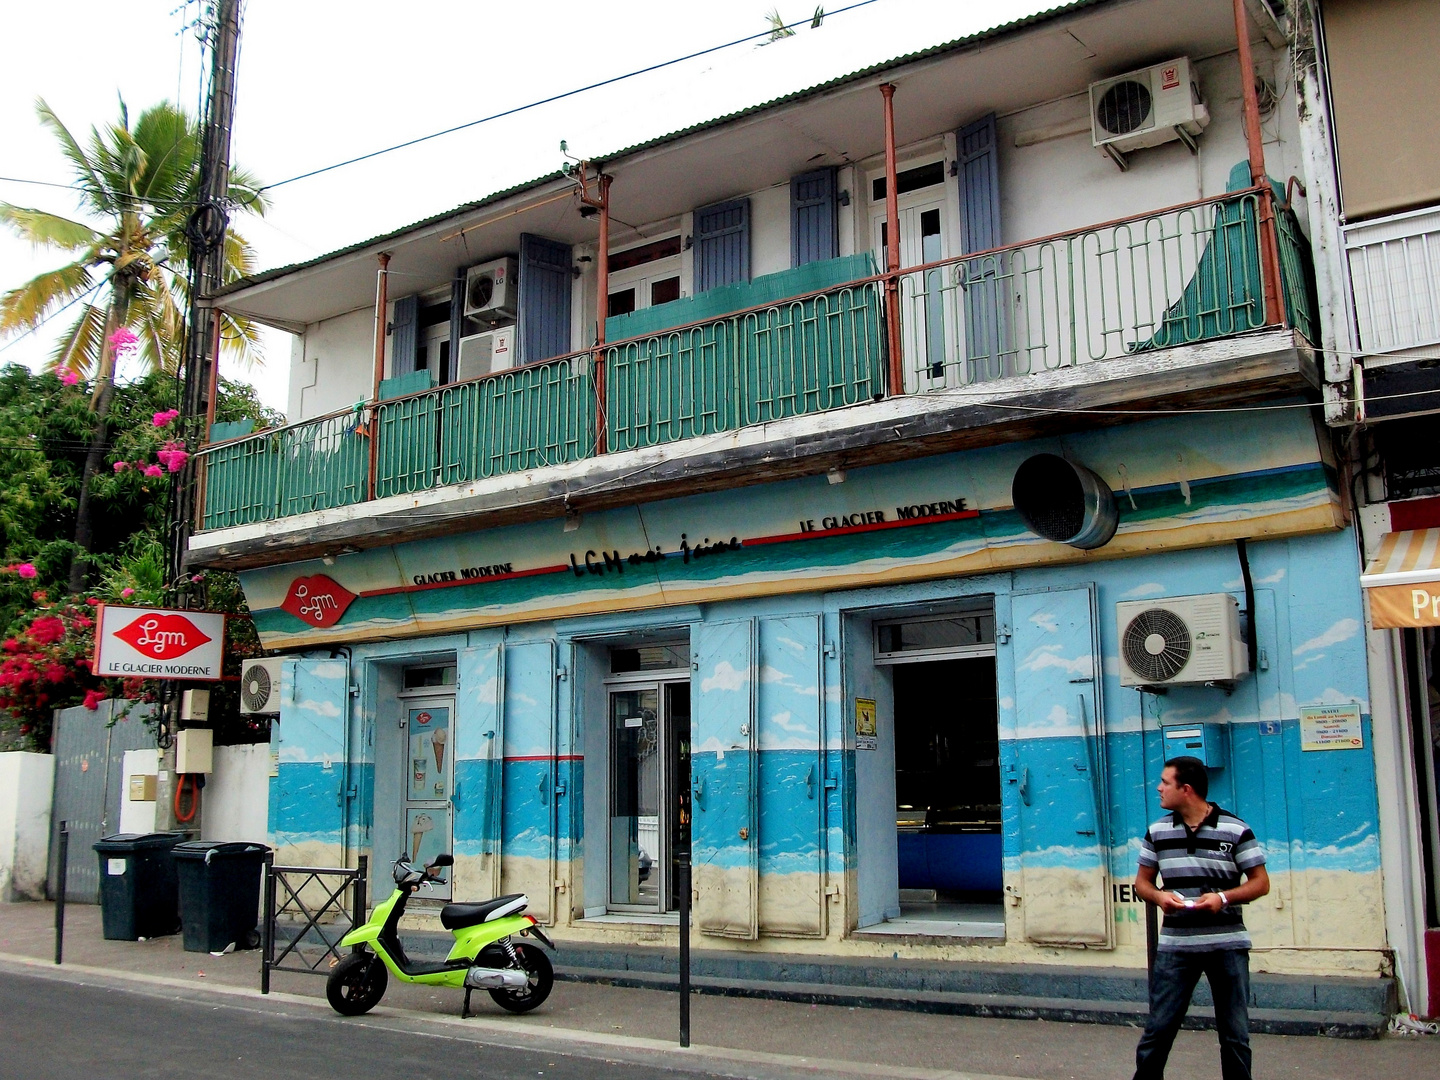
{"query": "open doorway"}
{"type": "Point", "coordinates": [947, 774]}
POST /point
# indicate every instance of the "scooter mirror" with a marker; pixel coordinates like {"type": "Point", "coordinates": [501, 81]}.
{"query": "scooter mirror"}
{"type": "Point", "coordinates": [444, 860]}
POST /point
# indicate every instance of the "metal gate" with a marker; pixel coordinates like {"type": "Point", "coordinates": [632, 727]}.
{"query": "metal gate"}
{"type": "Point", "coordinates": [88, 754]}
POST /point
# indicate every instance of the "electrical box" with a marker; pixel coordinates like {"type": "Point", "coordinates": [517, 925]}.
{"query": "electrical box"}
{"type": "Point", "coordinates": [195, 706]}
{"type": "Point", "coordinates": [194, 750]}
{"type": "Point", "coordinates": [1208, 742]}
{"type": "Point", "coordinates": [142, 787]}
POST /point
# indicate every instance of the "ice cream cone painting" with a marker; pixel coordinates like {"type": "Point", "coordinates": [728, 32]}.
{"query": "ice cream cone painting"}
{"type": "Point", "coordinates": [421, 825]}
{"type": "Point", "coordinates": [437, 743]}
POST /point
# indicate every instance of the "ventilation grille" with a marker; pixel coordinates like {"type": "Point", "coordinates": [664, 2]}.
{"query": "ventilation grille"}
{"type": "Point", "coordinates": [1124, 108]}
{"type": "Point", "coordinates": [1156, 644]}
{"type": "Point", "coordinates": [256, 689]}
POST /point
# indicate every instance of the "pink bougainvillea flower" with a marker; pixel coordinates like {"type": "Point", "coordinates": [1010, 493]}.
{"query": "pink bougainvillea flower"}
{"type": "Point", "coordinates": [174, 460]}
{"type": "Point", "coordinates": [122, 338]}
{"type": "Point", "coordinates": [160, 419]}
{"type": "Point", "coordinates": [84, 623]}
{"type": "Point", "coordinates": [26, 570]}
{"type": "Point", "coordinates": [38, 596]}
{"type": "Point", "coordinates": [154, 470]}
{"type": "Point", "coordinates": [121, 466]}
{"type": "Point", "coordinates": [55, 672]}
{"type": "Point", "coordinates": [93, 699]}
{"type": "Point", "coordinates": [69, 378]}
{"type": "Point", "coordinates": [91, 601]}
{"type": "Point", "coordinates": [127, 591]}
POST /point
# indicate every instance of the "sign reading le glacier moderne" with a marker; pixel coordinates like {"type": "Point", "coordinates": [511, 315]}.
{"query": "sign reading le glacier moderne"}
{"type": "Point", "coordinates": [155, 643]}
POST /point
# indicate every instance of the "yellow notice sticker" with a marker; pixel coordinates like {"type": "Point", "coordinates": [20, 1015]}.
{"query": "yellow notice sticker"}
{"type": "Point", "coordinates": [1331, 727]}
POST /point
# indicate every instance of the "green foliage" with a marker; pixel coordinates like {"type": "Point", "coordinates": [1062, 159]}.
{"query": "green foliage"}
{"type": "Point", "coordinates": [45, 427]}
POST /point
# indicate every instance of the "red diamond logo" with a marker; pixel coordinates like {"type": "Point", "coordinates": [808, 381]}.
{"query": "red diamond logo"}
{"type": "Point", "coordinates": [317, 600]}
{"type": "Point", "coordinates": [162, 636]}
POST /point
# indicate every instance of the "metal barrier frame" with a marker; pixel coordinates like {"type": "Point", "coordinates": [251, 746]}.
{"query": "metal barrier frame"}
{"type": "Point", "coordinates": [280, 876]}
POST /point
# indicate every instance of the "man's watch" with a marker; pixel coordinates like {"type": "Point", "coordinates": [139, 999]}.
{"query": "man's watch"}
{"type": "Point", "coordinates": [1223, 901]}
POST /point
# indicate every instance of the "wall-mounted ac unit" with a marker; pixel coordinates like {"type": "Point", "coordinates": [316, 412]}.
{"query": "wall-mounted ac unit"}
{"type": "Point", "coordinates": [491, 290]}
{"type": "Point", "coordinates": [260, 687]}
{"type": "Point", "coordinates": [482, 354]}
{"type": "Point", "coordinates": [1181, 640]}
{"type": "Point", "coordinates": [1148, 107]}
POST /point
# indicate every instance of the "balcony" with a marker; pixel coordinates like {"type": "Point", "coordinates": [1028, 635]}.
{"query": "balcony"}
{"type": "Point", "coordinates": [759, 374]}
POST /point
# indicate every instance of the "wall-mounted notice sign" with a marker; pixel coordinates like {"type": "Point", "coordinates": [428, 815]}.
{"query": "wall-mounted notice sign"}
{"type": "Point", "coordinates": [865, 738]}
{"type": "Point", "coordinates": [1331, 727]}
{"type": "Point", "coordinates": [153, 643]}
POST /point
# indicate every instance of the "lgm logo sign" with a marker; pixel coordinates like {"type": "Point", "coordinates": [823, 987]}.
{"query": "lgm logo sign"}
{"type": "Point", "coordinates": [155, 643]}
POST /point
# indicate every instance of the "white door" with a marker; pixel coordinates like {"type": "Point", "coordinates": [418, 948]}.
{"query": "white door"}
{"type": "Point", "coordinates": [926, 323]}
{"type": "Point", "coordinates": [429, 782]}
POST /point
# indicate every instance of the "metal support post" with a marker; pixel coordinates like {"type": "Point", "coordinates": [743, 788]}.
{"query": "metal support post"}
{"type": "Point", "coordinates": [382, 302]}
{"type": "Point", "coordinates": [1152, 938]}
{"type": "Point", "coordinates": [63, 872]}
{"type": "Point", "coordinates": [892, 248]}
{"type": "Point", "coordinates": [360, 913]}
{"type": "Point", "coordinates": [684, 948]}
{"type": "Point", "coordinates": [1268, 239]}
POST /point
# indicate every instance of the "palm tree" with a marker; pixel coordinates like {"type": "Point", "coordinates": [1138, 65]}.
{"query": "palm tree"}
{"type": "Point", "coordinates": [138, 188]}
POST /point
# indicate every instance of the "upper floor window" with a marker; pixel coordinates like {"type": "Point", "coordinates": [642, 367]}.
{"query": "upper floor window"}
{"type": "Point", "coordinates": [908, 180]}
{"type": "Point", "coordinates": [641, 277]}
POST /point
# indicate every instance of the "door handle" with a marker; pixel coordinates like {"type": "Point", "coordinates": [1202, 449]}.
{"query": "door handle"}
{"type": "Point", "coordinates": [544, 789]}
{"type": "Point", "coordinates": [810, 783]}
{"type": "Point", "coordinates": [698, 791]}
{"type": "Point", "coordinates": [1025, 784]}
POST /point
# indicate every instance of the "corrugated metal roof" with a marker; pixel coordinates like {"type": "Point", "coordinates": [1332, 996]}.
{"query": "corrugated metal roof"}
{"type": "Point", "coordinates": [673, 136]}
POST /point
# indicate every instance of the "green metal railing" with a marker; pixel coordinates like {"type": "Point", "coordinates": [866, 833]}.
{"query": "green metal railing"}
{"type": "Point", "coordinates": [791, 358]}
{"type": "Point", "coordinates": [1171, 277]}
{"type": "Point", "coordinates": [314, 465]}
{"type": "Point", "coordinates": [525, 418]}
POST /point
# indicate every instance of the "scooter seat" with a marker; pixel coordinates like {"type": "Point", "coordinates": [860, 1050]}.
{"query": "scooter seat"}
{"type": "Point", "coordinates": [458, 916]}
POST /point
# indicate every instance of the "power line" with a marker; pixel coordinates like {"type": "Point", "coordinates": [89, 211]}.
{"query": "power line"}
{"type": "Point", "coordinates": [560, 97]}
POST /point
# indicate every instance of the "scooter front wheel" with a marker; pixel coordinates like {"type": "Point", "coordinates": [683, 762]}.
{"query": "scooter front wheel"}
{"type": "Point", "coordinates": [357, 983]}
{"type": "Point", "coordinates": [541, 979]}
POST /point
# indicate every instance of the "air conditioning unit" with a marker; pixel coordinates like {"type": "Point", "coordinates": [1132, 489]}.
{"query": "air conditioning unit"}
{"type": "Point", "coordinates": [482, 354]}
{"type": "Point", "coordinates": [260, 687]}
{"type": "Point", "coordinates": [1181, 640]}
{"type": "Point", "coordinates": [1146, 108]}
{"type": "Point", "coordinates": [491, 290]}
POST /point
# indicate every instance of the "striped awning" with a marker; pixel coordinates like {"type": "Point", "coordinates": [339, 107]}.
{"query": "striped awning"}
{"type": "Point", "coordinates": [1405, 558]}
{"type": "Point", "coordinates": [1403, 580]}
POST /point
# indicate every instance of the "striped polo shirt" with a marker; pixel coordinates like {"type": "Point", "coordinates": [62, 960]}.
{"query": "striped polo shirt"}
{"type": "Point", "coordinates": [1209, 859]}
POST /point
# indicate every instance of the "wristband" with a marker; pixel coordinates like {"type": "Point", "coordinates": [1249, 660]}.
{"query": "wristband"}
{"type": "Point", "coordinates": [1223, 901]}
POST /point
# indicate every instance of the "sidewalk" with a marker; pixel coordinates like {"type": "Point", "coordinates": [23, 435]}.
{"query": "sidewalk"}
{"type": "Point", "coordinates": [870, 1041]}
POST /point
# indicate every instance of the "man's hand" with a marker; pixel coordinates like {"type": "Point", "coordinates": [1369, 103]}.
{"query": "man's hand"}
{"type": "Point", "coordinates": [1168, 902]}
{"type": "Point", "coordinates": [1210, 902]}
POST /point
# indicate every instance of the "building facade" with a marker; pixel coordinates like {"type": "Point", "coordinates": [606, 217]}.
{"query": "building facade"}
{"type": "Point", "coordinates": [826, 572]}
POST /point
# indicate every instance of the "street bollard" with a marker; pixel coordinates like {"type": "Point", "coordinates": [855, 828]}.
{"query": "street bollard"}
{"type": "Point", "coordinates": [360, 913]}
{"type": "Point", "coordinates": [1152, 938]}
{"type": "Point", "coordinates": [63, 875]}
{"type": "Point", "coordinates": [267, 929]}
{"type": "Point", "coordinates": [684, 948]}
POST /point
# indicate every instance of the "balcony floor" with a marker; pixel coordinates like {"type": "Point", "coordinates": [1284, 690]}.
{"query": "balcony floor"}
{"type": "Point", "coordinates": [1257, 366]}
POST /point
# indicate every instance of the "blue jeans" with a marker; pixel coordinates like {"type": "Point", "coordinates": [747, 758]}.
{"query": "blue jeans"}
{"type": "Point", "coordinates": [1172, 982]}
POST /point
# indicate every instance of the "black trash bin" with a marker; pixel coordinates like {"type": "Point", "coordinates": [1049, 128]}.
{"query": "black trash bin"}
{"type": "Point", "coordinates": [219, 894]}
{"type": "Point", "coordinates": [137, 885]}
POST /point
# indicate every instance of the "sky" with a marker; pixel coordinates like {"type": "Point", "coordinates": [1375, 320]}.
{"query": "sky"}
{"type": "Point", "coordinates": [320, 82]}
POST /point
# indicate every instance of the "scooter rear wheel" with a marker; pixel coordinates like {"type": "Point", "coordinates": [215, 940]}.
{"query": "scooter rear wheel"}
{"type": "Point", "coordinates": [542, 979]}
{"type": "Point", "coordinates": [357, 983]}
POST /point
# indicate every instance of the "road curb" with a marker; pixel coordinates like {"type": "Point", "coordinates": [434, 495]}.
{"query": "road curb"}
{"type": "Point", "coordinates": [570, 1041]}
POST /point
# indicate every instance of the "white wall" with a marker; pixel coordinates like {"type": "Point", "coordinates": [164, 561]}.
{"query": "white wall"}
{"type": "Point", "coordinates": [137, 816]}
{"type": "Point", "coordinates": [236, 800]}
{"type": "Point", "coordinates": [770, 230]}
{"type": "Point", "coordinates": [332, 366]}
{"type": "Point", "coordinates": [27, 784]}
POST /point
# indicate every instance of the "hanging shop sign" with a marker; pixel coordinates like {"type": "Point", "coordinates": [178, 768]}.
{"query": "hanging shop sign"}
{"type": "Point", "coordinates": [155, 643]}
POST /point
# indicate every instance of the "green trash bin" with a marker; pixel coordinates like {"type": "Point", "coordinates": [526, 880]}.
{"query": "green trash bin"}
{"type": "Point", "coordinates": [219, 894]}
{"type": "Point", "coordinates": [137, 885]}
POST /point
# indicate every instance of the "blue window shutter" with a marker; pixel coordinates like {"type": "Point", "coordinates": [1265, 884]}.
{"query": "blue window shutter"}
{"type": "Point", "coordinates": [814, 226]}
{"type": "Point", "coordinates": [987, 316]}
{"type": "Point", "coordinates": [722, 244]}
{"type": "Point", "coordinates": [403, 330]}
{"type": "Point", "coordinates": [457, 322]}
{"type": "Point", "coordinates": [544, 308]}
{"type": "Point", "coordinates": [979, 185]}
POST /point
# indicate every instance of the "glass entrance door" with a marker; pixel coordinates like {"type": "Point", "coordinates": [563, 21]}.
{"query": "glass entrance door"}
{"type": "Point", "coordinates": [430, 771]}
{"type": "Point", "coordinates": [649, 793]}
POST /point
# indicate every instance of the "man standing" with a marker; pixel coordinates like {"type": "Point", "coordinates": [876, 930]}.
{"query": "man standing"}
{"type": "Point", "coordinates": [1200, 852]}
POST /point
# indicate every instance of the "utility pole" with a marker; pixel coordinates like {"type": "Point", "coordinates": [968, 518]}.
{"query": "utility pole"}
{"type": "Point", "coordinates": [200, 375]}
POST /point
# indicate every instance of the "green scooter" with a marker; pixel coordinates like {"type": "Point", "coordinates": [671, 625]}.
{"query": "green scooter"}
{"type": "Point", "coordinates": [517, 975]}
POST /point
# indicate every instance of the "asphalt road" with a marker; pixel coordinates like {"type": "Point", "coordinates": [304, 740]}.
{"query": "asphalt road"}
{"type": "Point", "coordinates": [56, 1030]}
